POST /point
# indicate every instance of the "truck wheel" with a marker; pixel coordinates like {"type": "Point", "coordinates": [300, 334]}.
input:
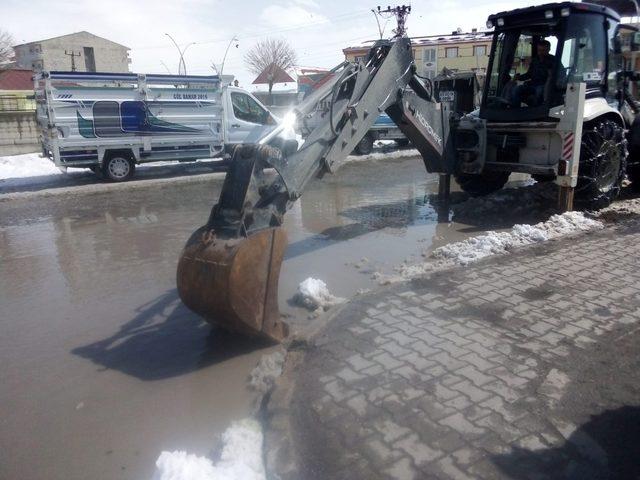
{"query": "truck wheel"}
{"type": "Point", "coordinates": [482, 184]}
{"type": "Point", "coordinates": [365, 147]}
{"type": "Point", "coordinates": [402, 142]}
{"type": "Point", "coordinates": [603, 161]}
{"type": "Point", "coordinates": [118, 167]}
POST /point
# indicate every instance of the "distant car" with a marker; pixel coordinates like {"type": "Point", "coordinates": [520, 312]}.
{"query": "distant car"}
{"type": "Point", "coordinates": [383, 129]}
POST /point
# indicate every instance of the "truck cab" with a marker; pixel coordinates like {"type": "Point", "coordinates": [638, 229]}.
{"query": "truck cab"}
{"type": "Point", "coordinates": [537, 54]}
{"type": "Point", "coordinates": [247, 120]}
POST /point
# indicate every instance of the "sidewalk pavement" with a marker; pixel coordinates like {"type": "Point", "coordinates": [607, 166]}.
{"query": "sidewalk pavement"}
{"type": "Point", "coordinates": [520, 366]}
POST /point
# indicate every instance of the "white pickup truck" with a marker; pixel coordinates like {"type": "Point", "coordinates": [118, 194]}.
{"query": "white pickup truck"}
{"type": "Point", "coordinates": [110, 122]}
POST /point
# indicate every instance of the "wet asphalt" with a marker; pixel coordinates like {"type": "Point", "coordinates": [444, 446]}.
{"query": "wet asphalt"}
{"type": "Point", "coordinates": [102, 367]}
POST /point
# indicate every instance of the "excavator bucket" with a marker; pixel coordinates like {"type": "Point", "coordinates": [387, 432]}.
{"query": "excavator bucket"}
{"type": "Point", "coordinates": [233, 282]}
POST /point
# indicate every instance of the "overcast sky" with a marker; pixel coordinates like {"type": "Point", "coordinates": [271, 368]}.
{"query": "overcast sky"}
{"type": "Point", "coordinates": [318, 30]}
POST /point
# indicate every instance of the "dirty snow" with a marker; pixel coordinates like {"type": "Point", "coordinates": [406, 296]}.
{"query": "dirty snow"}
{"type": "Point", "coordinates": [269, 368]}
{"type": "Point", "coordinates": [629, 206]}
{"type": "Point", "coordinates": [29, 169]}
{"type": "Point", "coordinates": [496, 243]}
{"type": "Point", "coordinates": [384, 155]}
{"type": "Point", "coordinates": [26, 165]}
{"type": "Point", "coordinates": [313, 294]}
{"type": "Point", "coordinates": [241, 458]}
{"type": "Point", "coordinates": [493, 243]}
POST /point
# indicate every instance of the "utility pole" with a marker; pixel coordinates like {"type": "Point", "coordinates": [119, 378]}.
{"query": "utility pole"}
{"type": "Point", "coordinates": [73, 56]}
{"type": "Point", "coordinates": [400, 13]}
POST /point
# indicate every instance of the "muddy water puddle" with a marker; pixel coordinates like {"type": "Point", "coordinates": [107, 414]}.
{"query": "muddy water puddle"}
{"type": "Point", "coordinates": [103, 368]}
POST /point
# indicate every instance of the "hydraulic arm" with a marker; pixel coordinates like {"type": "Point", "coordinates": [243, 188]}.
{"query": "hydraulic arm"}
{"type": "Point", "coordinates": [229, 269]}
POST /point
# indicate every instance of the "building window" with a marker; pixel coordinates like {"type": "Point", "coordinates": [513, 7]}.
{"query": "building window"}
{"type": "Point", "coordinates": [89, 59]}
{"type": "Point", "coordinates": [451, 52]}
{"type": "Point", "coordinates": [479, 50]}
{"type": "Point", "coordinates": [430, 55]}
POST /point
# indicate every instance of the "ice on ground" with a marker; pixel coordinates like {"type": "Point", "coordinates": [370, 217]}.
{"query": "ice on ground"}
{"type": "Point", "coordinates": [493, 243]}
{"type": "Point", "coordinates": [241, 458]}
{"type": "Point", "coordinates": [26, 165]}
{"type": "Point", "coordinates": [269, 368]}
{"type": "Point", "coordinates": [27, 169]}
{"type": "Point", "coordinates": [497, 243]}
{"type": "Point", "coordinates": [384, 155]}
{"type": "Point", "coordinates": [313, 294]}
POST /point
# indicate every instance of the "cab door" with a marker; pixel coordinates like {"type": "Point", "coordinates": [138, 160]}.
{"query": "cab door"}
{"type": "Point", "coordinates": [248, 120]}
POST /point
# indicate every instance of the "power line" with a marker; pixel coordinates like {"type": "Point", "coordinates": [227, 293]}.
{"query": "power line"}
{"type": "Point", "coordinates": [337, 18]}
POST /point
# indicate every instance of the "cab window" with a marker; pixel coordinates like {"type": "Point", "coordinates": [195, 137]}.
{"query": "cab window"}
{"type": "Point", "coordinates": [247, 109]}
{"type": "Point", "coordinates": [584, 53]}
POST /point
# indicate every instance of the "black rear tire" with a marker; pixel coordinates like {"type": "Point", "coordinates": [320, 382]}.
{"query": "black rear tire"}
{"type": "Point", "coordinates": [403, 142]}
{"type": "Point", "coordinates": [603, 161]}
{"type": "Point", "coordinates": [482, 184]}
{"type": "Point", "coordinates": [118, 167]}
{"type": "Point", "coordinates": [365, 146]}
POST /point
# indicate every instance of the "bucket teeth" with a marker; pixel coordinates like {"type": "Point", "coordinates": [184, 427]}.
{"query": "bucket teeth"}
{"type": "Point", "coordinates": [233, 282]}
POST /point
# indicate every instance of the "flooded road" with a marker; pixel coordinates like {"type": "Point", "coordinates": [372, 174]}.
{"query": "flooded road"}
{"type": "Point", "coordinates": [102, 367]}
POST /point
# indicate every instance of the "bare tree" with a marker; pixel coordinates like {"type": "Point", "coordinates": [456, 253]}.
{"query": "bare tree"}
{"type": "Point", "coordinates": [269, 56]}
{"type": "Point", "coordinates": [6, 47]}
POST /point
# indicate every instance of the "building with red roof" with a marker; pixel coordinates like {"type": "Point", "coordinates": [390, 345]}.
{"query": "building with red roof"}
{"type": "Point", "coordinates": [16, 79]}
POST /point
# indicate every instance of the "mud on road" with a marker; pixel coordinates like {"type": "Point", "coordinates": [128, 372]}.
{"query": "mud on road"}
{"type": "Point", "coordinates": [103, 367]}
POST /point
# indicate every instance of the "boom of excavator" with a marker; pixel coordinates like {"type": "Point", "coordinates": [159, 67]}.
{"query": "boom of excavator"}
{"type": "Point", "coordinates": [228, 271]}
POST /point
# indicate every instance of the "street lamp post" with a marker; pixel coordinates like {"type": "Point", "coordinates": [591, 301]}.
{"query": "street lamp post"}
{"type": "Point", "coordinates": [184, 62]}
{"type": "Point", "coordinates": [234, 39]}
{"type": "Point", "coordinates": [181, 64]}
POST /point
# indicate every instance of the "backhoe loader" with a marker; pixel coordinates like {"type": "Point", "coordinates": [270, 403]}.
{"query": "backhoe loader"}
{"type": "Point", "coordinates": [555, 104]}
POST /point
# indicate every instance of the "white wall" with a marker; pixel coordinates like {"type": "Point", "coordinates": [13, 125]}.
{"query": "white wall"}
{"type": "Point", "coordinates": [50, 54]}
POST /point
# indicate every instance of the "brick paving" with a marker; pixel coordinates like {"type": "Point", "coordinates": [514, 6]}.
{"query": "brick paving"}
{"type": "Point", "coordinates": [515, 367]}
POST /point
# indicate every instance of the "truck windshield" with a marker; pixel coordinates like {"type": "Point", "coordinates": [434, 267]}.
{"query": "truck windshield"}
{"type": "Point", "coordinates": [584, 52]}
{"type": "Point", "coordinates": [531, 66]}
{"type": "Point", "coordinates": [523, 68]}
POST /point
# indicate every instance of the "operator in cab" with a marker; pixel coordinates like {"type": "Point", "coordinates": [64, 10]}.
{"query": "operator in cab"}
{"type": "Point", "coordinates": [535, 79]}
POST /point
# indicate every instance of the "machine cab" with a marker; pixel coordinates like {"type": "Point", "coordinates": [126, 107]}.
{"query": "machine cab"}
{"type": "Point", "coordinates": [536, 51]}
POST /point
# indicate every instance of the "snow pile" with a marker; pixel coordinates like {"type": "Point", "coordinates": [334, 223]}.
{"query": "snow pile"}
{"type": "Point", "coordinates": [384, 155]}
{"type": "Point", "coordinates": [493, 243]}
{"type": "Point", "coordinates": [621, 208]}
{"type": "Point", "coordinates": [241, 458]}
{"type": "Point", "coordinates": [268, 369]}
{"type": "Point", "coordinates": [27, 165]}
{"type": "Point", "coordinates": [313, 294]}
